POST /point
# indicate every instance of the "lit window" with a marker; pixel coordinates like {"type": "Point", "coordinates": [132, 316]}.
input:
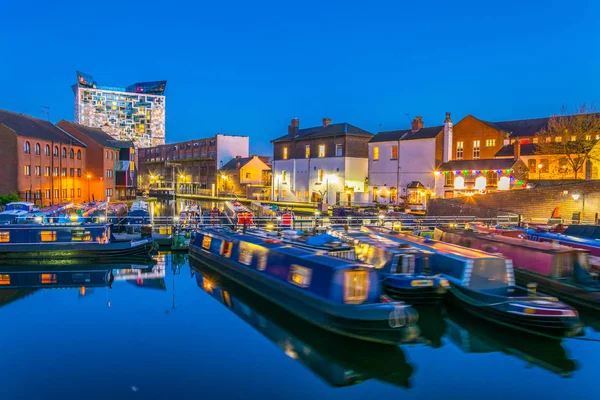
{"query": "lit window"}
{"type": "Point", "coordinates": [38, 170]}
{"type": "Point", "coordinates": [548, 139]}
{"type": "Point", "coordinates": [4, 237]}
{"type": "Point", "coordinates": [283, 193]}
{"type": "Point", "coordinates": [285, 153]}
{"type": "Point", "coordinates": [321, 150]}
{"type": "Point", "coordinates": [80, 236]}
{"type": "Point", "coordinates": [375, 193]}
{"type": "Point", "coordinates": [72, 154]}
{"type": "Point", "coordinates": [206, 240]}
{"type": "Point", "coordinates": [476, 149]}
{"type": "Point", "coordinates": [27, 170]}
{"type": "Point", "coordinates": [480, 183]}
{"type": "Point", "coordinates": [47, 279]}
{"type": "Point", "coordinates": [356, 286]}
{"type": "Point", "coordinates": [306, 193]}
{"type": "Point", "coordinates": [64, 152]}
{"type": "Point", "coordinates": [490, 142]}
{"type": "Point", "coordinates": [449, 179]}
{"type": "Point", "coordinates": [395, 152]}
{"type": "Point", "coordinates": [299, 193]}
{"type": "Point", "coordinates": [48, 236]}
{"type": "Point", "coordinates": [339, 150]}
{"type": "Point", "coordinates": [504, 183]}
{"type": "Point", "coordinates": [27, 148]}
{"type": "Point", "coordinates": [284, 176]}
{"type": "Point", "coordinates": [535, 140]}
{"type": "Point", "coordinates": [4, 279]}
{"type": "Point", "coordinates": [320, 175]}
{"type": "Point", "coordinates": [307, 151]}
{"type": "Point", "coordinates": [46, 171]}
{"type": "Point", "coordinates": [459, 182]}
{"type": "Point", "coordinates": [558, 139]}
{"type": "Point", "coordinates": [375, 153]}
{"type": "Point", "coordinates": [226, 249]}
{"type": "Point", "coordinates": [300, 276]}
{"type": "Point", "coordinates": [459, 150]}
{"type": "Point", "coordinates": [245, 254]}
{"type": "Point", "coordinates": [47, 150]}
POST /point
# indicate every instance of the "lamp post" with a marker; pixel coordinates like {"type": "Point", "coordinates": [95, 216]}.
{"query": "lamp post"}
{"type": "Point", "coordinates": [540, 166]}
{"type": "Point", "coordinates": [575, 197]}
{"type": "Point", "coordinates": [174, 183]}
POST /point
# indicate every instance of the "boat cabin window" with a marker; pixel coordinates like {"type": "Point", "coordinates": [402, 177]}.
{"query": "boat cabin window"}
{"type": "Point", "coordinates": [300, 276]}
{"type": "Point", "coordinates": [206, 240]}
{"type": "Point", "coordinates": [226, 249]}
{"type": "Point", "coordinates": [47, 279]}
{"type": "Point", "coordinates": [245, 254]}
{"type": "Point", "coordinates": [407, 265]}
{"type": "Point", "coordinates": [48, 236]}
{"type": "Point", "coordinates": [489, 274]}
{"type": "Point", "coordinates": [4, 237]}
{"type": "Point", "coordinates": [356, 286]}
{"type": "Point", "coordinates": [4, 279]}
{"type": "Point", "coordinates": [262, 262]}
{"type": "Point", "coordinates": [79, 235]}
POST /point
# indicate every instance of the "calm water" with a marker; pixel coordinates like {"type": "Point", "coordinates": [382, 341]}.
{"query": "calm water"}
{"type": "Point", "coordinates": [174, 332]}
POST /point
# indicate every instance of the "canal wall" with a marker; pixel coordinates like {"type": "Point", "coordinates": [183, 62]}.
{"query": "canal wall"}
{"type": "Point", "coordinates": [533, 204]}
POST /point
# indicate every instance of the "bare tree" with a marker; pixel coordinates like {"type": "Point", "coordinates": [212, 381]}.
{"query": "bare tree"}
{"type": "Point", "coordinates": [570, 138]}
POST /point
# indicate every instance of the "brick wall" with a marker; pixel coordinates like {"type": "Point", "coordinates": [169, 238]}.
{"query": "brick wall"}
{"type": "Point", "coordinates": [470, 129]}
{"type": "Point", "coordinates": [8, 161]}
{"type": "Point", "coordinates": [530, 203]}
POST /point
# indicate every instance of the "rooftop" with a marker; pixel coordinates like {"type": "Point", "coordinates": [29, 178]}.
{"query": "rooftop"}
{"type": "Point", "coordinates": [407, 134]}
{"type": "Point", "coordinates": [478, 165]}
{"type": "Point", "coordinates": [339, 129]}
{"type": "Point", "coordinates": [232, 165]}
{"type": "Point", "coordinates": [98, 135]}
{"type": "Point", "coordinates": [27, 126]}
{"type": "Point", "coordinates": [153, 87]}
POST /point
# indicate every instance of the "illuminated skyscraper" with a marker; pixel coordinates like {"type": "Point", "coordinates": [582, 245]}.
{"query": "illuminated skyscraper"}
{"type": "Point", "coordinates": [136, 112]}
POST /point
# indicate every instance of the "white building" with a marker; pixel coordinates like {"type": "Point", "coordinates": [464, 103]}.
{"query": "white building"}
{"type": "Point", "coordinates": [135, 113]}
{"type": "Point", "coordinates": [322, 164]}
{"type": "Point", "coordinates": [403, 162]}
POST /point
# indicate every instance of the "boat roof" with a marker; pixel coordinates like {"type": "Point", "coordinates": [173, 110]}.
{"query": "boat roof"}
{"type": "Point", "coordinates": [49, 227]}
{"type": "Point", "coordinates": [312, 255]}
{"type": "Point", "coordinates": [382, 242]}
{"type": "Point", "coordinates": [437, 246]}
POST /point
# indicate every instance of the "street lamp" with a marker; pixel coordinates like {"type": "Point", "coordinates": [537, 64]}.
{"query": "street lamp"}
{"type": "Point", "coordinates": [540, 166]}
{"type": "Point", "coordinates": [575, 196]}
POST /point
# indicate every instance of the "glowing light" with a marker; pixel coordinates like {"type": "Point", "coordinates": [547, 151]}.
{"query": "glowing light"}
{"type": "Point", "coordinates": [102, 219]}
{"type": "Point", "coordinates": [436, 173]}
{"type": "Point", "coordinates": [504, 183]}
{"type": "Point", "coordinates": [38, 220]}
{"type": "Point", "coordinates": [317, 213]}
{"type": "Point", "coordinates": [73, 217]}
{"type": "Point", "coordinates": [459, 182]}
{"type": "Point", "coordinates": [381, 216]}
{"type": "Point", "coordinates": [89, 176]}
{"type": "Point", "coordinates": [575, 196]}
{"type": "Point", "coordinates": [480, 183]}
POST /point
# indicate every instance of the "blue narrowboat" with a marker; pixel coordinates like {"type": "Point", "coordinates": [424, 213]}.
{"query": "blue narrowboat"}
{"type": "Point", "coordinates": [404, 269]}
{"type": "Point", "coordinates": [484, 285]}
{"type": "Point", "coordinates": [15, 210]}
{"type": "Point", "coordinates": [68, 242]}
{"type": "Point", "coordinates": [580, 237]}
{"type": "Point", "coordinates": [336, 294]}
{"type": "Point", "coordinates": [324, 353]}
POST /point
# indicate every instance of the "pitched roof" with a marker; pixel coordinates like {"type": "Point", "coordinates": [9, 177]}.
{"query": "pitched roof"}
{"type": "Point", "coordinates": [520, 127]}
{"type": "Point", "coordinates": [492, 163]}
{"type": "Point", "coordinates": [342, 128]}
{"type": "Point", "coordinates": [530, 149]}
{"type": "Point", "coordinates": [231, 165]}
{"type": "Point", "coordinates": [27, 126]}
{"type": "Point", "coordinates": [98, 135]}
{"type": "Point", "coordinates": [407, 134]}
{"type": "Point", "coordinates": [527, 149]}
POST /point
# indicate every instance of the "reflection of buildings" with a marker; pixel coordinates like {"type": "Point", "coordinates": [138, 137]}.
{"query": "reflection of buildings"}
{"type": "Point", "coordinates": [145, 278]}
{"type": "Point", "coordinates": [339, 360]}
{"type": "Point", "coordinates": [473, 336]}
{"type": "Point", "coordinates": [136, 112]}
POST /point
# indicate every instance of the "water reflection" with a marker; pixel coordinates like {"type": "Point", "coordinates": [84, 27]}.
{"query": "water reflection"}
{"type": "Point", "coordinates": [339, 360]}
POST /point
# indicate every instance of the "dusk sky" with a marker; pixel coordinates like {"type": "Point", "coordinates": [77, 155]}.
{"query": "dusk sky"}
{"type": "Point", "coordinates": [247, 68]}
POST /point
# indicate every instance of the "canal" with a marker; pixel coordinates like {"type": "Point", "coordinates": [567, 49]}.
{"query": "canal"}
{"type": "Point", "coordinates": [180, 331]}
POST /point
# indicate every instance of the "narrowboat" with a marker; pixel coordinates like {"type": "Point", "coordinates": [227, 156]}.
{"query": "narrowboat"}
{"type": "Point", "coordinates": [68, 242]}
{"type": "Point", "coordinates": [557, 270]}
{"type": "Point", "coordinates": [324, 353]}
{"type": "Point", "coordinates": [51, 277]}
{"type": "Point", "coordinates": [238, 213]}
{"type": "Point", "coordinates": [336, 294]}
{"type": "Point", "coordinates": [567, 238]}
{"type": "Point", "coordinates": [403, 268]}
{"type": "Point", "coordinates": [484, 285]}
{"type": "Point", "coordinates": [15, 210]}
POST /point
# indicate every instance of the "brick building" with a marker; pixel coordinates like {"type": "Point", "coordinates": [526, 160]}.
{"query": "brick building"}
{"type": "Point", "coordinates": [40, 161]}
{"type": "Point", "coordinates": [190, 166]}
{"type": "Point", "coordinates": [326, 163]}
{"type": "Point", "coordinates": [110, 163]}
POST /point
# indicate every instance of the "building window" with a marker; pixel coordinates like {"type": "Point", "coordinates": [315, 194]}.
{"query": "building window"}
{"type": "Point", "coordinates": [27, 148]}
{"type": "Point", "coordinates": [48, 194]}
{"type": "Point", "coordinates": [64, 152]}
{"type": "Point", "coordinates": [55, 151]}
{"type": "Point", "coordinates": [48, 279]}
{"type": "Point", "coordinates": [321, 150]}
{"type": "Point", "coordinates": [573, 138]}
{"type": "Point", "coordinates": [106, 155]}
{"type": "Point", "coordinates": [375, 153]}
{"type": "Point", "coordinates": [78, 192]}
{"type": "Point", "coordinates": [480, 183]}
{"type": "Point", "coordinates": [356, 286]}
{"type": "Point", "coordinates": [284, 176]}
{"type": "Point", "coordinates": [72, 193]}
{"type": "Point", "coordinates": [320, 175]}
{"type": "Point", "coordinates": [299, 193]}
{"type": "Point", "coordinates": [490, 142]}
{"type": "Point", "coordinates": [63, 172]}
{"type": "Point", "coordinates": [459, 182]}
{"type": "Point", "coordinates": [109, 173]}
{"type": "Point", "coordinates": [339, 150]}
{"type": "Point", "coordinates": [109, 192]}
{"type": "Point", "coordinates": [307, 151]}
{"type": "Point", "coordinates": [248, 175]}
{"type": "Point", "coordinates": [276, 193]}
{"type": "Point", "coordinates": [459, 150]}
{"type": "Point", "coordinates": [27, 170]}
{"type": "Point", "coordinates": [38, 170]}
{"type": "Point", "coordinates": [48, 236]}
{"type": "Point", "coordinates": [558, 139]}
{"type": "Point", "coordinates": [112, 155]}
{"type": "Point", "coordinates": [226, 249]}
{"type": "Point", "coordinates": [64, 193]}
{"type": "Point", "coordinates": [56, 194]}
{"type": "Point", "coordinates": [55, 171]}
{"type": "Point", "coordinates": [395, 152]}
{"type": "Point", "coordinates": [80, 235]}
{"type": "Point", "coordinates": [72, 154]}
{"type": "Point", "coordinates": [535, 140]}
{"type": "Point", "coordinates": [37, 149]}
{"type": "Point", "coordinates": [306, 194]}
{"type": "Point", "coordinates": [375, 193]}
{"type": "Point", "coordinates": [449, 178]}
{"type": "Point", "coordinates": [72, 172]}
{"type": "Point", "coordinates": [79, 172]}
{"type": "Point", "coordinates": [545, 165]}
{"type": "Point", "coordinates": [284, 154]}
{"type": "Point", "coordinates": [79, 154]}
{"type": "Point", "coordinates": [47, 150]}
{"type": "Point", "coordinates": [504, 183]}
{"type": "Point", "coordinates": [532, 164]}
{"type": "Point", "coordinates": [476, 149]}
{"type": "Point", "coordinates": [283, 193]}
{"type": "Point", "coordinates": [46, 171]}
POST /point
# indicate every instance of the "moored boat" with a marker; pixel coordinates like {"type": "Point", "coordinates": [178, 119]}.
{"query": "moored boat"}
{"type": "Point", "coordinates": [15, 210]}
{"type": "Point", "coordinates": [336, 294]}
{"type": "Point", "coordinates": [238, 213]}
{"type": "Point", "coordinates": [558, 270]}
{"type": "Point", "coordinates": [90, 241]}
{"type": "Point", "coordinates": [581, 242]}
{"type": "Point", "coordinates": [49, 277]}
{"type": "Point", "coordinates": [484, 285]}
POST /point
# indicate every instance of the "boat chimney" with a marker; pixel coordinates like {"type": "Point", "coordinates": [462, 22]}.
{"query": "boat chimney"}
{"type": "Point", "coordinates": [532, 288]}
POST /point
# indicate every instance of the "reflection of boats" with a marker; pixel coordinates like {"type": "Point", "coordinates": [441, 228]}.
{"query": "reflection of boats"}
{"type": "Point", "coordinates": [145, 278]}
{"type": "Point", "coordinates": [484, 285]}
{"type": "Point", "coordinates": [20, 242]}
{"type": "Point", "coordinates": [432, 324]}
{"type": "Point", "coordinates": [339, 360]}
{"type": "Point", "coordinates": [561, 271]}
{"type": "Point", "coordinates": [17, 278]}
{"type": "Point", "coordinates": [472, 336]}
{"type": "Point", "coordinates": [336, 294]}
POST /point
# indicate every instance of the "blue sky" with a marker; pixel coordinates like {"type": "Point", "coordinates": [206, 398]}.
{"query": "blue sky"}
{"type": "Point", "coordinates": [248, 67]}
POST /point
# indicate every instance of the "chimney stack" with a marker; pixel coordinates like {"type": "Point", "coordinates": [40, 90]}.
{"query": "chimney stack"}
{"type": "Point", "coordinates": [106, 128]}
{"type": "Point", "coordinates": [326, 122]}
{"type": "Point", "coordinates": [447, 150]}
{"type": "Point", "coordinates": [293, 128]}
{"type": "Point", "coordinates": [517, 149]}
{"type": "Point", "coordinates": [417, 123]}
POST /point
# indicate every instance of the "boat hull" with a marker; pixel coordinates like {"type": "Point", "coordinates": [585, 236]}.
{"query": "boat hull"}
{"type": "Point", "coordinates": [556, 327]}
{"type": "Point", "coordinates": [400, 288]}
{"type": "Point", "coordinates": [381, 324]}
